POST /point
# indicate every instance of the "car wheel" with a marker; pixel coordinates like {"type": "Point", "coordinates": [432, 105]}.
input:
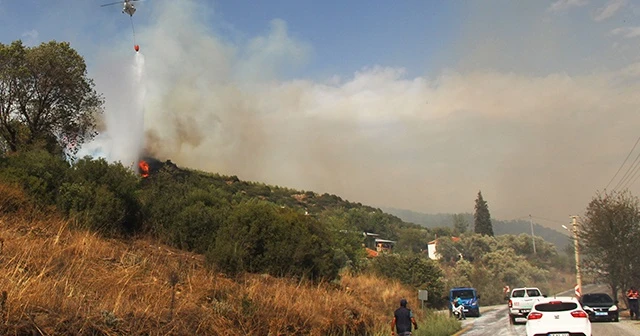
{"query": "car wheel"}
{"type": "Point", "coordinates": [616, 319]}
{"type": "Point", "coordinates": [512, 319]}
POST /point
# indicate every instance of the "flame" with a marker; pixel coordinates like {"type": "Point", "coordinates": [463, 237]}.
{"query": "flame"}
{"type": "Point", "coordinates": [144, 168]}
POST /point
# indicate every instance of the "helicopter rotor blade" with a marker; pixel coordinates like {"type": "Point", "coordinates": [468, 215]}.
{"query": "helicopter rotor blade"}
{"type": "Point", "coordinates": [113, 3]}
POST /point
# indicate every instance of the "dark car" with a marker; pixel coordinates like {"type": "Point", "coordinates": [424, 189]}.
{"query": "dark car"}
{"type": "Point", "coordinates": [600, 307]}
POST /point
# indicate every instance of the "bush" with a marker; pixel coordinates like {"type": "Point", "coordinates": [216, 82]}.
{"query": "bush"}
{"type": "Point", "coordinates": [38, 172]}
{"type": "Point", "coordinates": [183, 213]}
{"type": "Point", "coordinates": [414, 270]}
{"type": "Point", "coordinates": [101, 196]}
{"type": "Point", "coordinates": [258, 237]}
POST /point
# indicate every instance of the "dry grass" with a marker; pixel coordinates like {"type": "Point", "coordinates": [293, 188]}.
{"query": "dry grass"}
{"type": "Point", "coordinates": [58, 281]}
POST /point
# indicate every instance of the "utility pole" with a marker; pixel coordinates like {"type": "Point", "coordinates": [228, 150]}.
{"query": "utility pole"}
{"type": "Point", "coordinates": [577, 250]}
{"type": "Point", "coordinates": [533, 238]}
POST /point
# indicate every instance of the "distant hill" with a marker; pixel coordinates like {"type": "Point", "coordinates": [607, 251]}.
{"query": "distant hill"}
{"type": "Point", "coordinates": [500, 227]}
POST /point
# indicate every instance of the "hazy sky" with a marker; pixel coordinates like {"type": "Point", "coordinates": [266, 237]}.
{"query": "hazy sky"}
{"type": "Point", "coordinates": [410, 104]}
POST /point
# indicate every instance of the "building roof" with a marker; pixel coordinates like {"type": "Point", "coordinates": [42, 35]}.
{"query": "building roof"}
{"type": "Point", "coordinates": [435, 241]}
{"type": "Point", "coordinates": [371, 253]}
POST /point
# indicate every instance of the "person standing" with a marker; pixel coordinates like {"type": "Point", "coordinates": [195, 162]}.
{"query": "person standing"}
{"type": "Point", "coordinates": [632, 296]}
{"type": "Point", "coordinates": [402, 320]}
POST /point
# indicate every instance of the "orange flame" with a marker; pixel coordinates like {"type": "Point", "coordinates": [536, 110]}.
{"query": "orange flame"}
{"type": "Point", "coordinates": [144, 168]}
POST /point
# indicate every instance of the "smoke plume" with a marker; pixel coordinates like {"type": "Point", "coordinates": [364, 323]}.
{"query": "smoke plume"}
{"type": "Point", "coordinates": [535, 142]}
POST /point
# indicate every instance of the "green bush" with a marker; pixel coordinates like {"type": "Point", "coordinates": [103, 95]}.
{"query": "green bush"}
{"type": "Point", "coordinates": [39, 173]}
{"type": "Point", "coordinates": [259, 237]}
{"type": "Point", "coordinates": [183, 212]}
{"type": "Point", "coordinates": [101, 196]}
{"type": "Point", "coordinates": [414, 270]}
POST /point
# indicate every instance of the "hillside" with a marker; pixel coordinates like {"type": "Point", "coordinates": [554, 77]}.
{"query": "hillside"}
{"type": "Point", "coordinates": [500, 227]}
{"type": "Point", "coordinates": [61, 281]}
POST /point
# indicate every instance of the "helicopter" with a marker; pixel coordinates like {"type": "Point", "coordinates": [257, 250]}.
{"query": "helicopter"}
{"type": "Point", "coordinates": [128, 7]}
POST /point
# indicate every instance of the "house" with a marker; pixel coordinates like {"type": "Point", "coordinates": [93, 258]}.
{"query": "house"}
{"type": "Point", "coordinates": [375, 245]}
{"type": "Point", "coordinates": [432, 247]}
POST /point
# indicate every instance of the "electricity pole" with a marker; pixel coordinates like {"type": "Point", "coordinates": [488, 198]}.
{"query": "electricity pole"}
{"type": "Point", "coordinates": [577, 250]}
{"type": "Point", "coordinates": [533, 238]}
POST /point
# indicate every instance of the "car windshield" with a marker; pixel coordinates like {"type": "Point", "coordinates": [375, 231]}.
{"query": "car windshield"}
{"type": "Point", "coordinates": [556, 306]}
{"type": "Point", "coordinates": [597, 298]}
{"type": "Point", "coordinates": [463, 294]}
{"type": "Point", "coordinates": [518, 293]}
{"type": "Point", "coordinates": [533, 292]}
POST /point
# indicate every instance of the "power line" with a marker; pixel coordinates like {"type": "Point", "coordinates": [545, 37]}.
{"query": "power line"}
{"type": "Point", "coordinates": [625, 176]}
{"type": "Point", "coordinates": [625, 161]}
{"type": "Point", "coordinates": [540, 218]}
{"type": "Point", "coordinates": [634, 181]}
{"type": "Point", "coordinates": [631, 178]}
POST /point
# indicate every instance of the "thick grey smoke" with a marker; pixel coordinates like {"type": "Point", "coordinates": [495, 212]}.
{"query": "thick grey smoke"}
{"type": "Point", "coordinates": [535, 142]}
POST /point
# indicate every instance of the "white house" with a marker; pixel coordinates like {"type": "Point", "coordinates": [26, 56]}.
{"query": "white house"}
{"type": "Point", "coordinates": [432, 248]}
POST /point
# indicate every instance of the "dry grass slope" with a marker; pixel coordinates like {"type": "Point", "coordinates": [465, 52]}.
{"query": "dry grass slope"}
{"type": "Point", "coordinates": [55, 280]}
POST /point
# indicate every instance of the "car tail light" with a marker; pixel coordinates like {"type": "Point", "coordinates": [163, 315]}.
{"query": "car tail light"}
{"type": "Point", "coordinates": [579, 313]}
{"type": "Point", "coordinates": [555, 302]}
{"type": "Point", "coordinates": [534, 316]}
{"type": "Point", "coordinates": [510, 303]}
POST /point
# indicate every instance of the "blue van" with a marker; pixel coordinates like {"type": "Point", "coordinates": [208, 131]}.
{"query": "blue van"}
{"type": "Point", "coordinates": [469, 297]}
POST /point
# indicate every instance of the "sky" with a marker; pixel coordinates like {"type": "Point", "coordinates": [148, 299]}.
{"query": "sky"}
{"type": "Point", "coordinates": [414, 105]}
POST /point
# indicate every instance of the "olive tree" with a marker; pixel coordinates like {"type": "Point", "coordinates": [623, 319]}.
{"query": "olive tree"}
{"type": "Point", "coordinates": [609, 234]}
{"type": "Point", "coordinates": [46, 98]}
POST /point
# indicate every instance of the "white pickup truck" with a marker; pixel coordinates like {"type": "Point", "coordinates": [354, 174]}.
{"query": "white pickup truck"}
{"type": "Point", "coordinates": [521, 301]}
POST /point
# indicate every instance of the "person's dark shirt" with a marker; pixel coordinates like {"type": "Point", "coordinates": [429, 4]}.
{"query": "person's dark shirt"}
{"type": "Point", "coordinates": [403, 317]}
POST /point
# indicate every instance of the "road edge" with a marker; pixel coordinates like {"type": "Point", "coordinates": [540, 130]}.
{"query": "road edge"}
{"type": "Point", "coordinates": [464, 330]}
{"type": "Point", "coordinates": [470, 325]}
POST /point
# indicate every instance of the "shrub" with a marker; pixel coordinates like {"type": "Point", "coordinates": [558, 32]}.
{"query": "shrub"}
{"type": "Point", "coordinates": [414, 270]}
{"type": "Point", "coordinates": [38, 172]}
{"type": "Point", "coordinates": [183, 213]}
{"type": "Point", "coordinates": [101, 196]}
{"type": "Point", "coordinates": [258, 237]}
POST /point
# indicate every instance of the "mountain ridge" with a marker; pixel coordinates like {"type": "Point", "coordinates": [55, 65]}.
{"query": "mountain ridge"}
{"type": "Point", "coordinates": [500, 227]}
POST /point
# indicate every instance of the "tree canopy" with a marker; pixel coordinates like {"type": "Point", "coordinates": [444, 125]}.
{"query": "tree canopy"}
{"type": "Point", "coordinates": [609, 234]}
{"type": "Point", "coordinates": [46, 98]}
{"type": "Point", "coordinates": [482, 218]}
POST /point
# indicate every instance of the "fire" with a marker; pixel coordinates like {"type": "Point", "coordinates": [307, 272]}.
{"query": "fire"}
{"type": "Point", "coordinates": [144, 168]}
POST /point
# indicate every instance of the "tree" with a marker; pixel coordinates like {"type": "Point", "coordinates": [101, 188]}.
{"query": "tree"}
{"type": "Point", "coordinates": [460, 224]}
{"type": "Point", "coordinates": [609, 234]}
{"type": "Point", "coordinates": [482, 218]}
{"type": "Point", "coordinates": [46, 99]}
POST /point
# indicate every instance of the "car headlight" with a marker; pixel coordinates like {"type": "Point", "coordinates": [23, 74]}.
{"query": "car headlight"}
{"type": "Point", "coordinates": [586, 308]}
{"type": "Point", "coordinates": [613, 308]}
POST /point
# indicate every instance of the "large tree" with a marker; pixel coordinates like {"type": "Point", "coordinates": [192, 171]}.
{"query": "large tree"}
{"type": "Point", "coordinates": [46, 98]}
{"type": "Point", "coordinates": [482, 218]}
{"type": "Point", "coordinates": [609, 234]}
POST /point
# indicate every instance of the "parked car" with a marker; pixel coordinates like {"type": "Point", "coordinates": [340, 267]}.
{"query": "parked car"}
{"type": "Point", "coordinates": [600, 307]}
{"type": "Point", "coordinates": [469, 297]}
{"type": "Point", "coordinates": [558, 316]}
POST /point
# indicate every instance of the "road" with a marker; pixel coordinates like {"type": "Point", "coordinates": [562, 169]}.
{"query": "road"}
{"type": "Point", "coordinates": [495, 321]}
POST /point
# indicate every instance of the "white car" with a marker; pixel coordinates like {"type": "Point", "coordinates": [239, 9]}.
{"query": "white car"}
{"type": "Point", "coordinates": [558, 316]}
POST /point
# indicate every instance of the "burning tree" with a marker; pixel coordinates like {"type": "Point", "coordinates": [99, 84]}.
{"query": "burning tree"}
{"type": "Point", "coordinates": [144, 168]}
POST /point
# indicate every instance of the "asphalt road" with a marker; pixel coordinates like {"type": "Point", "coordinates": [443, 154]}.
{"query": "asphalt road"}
{"type": "Point", "coordinates": [495, 321]}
